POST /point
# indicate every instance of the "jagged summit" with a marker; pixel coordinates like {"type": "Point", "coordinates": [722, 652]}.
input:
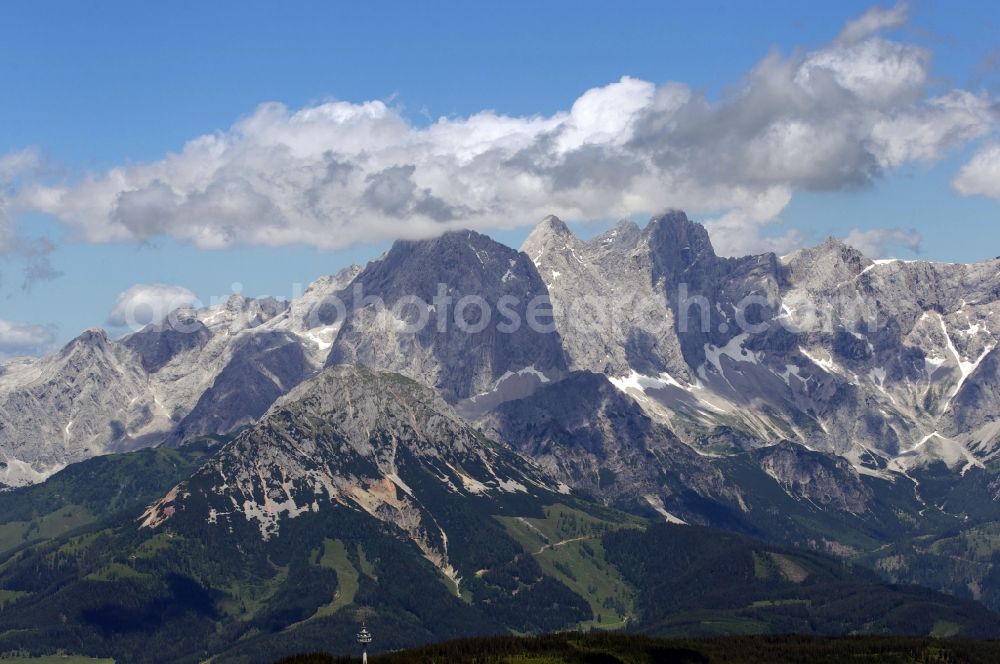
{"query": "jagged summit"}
{"type": "Point", "coordinates": [554, 224]}
{"type": "Point", "coordinates": [832, 245]}
{"type": "Point", "coordinates": [625, 225]}
{"type": "Point", "coordinates": [827, 264]}
{"type": "Point", "coordinates": [452, 240]}
{"type": "Point", "coordinates": [620, 310]}
{"type": "Point", "coordinates": [834, 242]}
{"type": "Point", "coordinates": [334, 281]}
{"type": "Point", "coordinates": [677, 242]}
{"type": "Point", "coordinates": [551, 232]}
{"type": "Point", "coordinates": [671, 229]}
{"type": "Point", "coordinates": [672, 217]}
{"type": "Point", "coordinates": [88, 398]}
{"type": "Point", "coordinates": [623, 236]}
{"type": "Point", "coordinates": [159, 343]}
{"type": "Point", "coordinates": [838, 246]}
{"type": "Point", "coordinates": [94, 337]}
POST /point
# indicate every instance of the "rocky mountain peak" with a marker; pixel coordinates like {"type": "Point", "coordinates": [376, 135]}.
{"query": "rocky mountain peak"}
{"type": "Point", "coordinates": [554, 224]}
{"type": "Point", "coordinates": [676, 238]}
{"type": "Point", "coordinates": [159, 343]}
{"type": "Point", "coordinates": [460, 357]}
{"type": "Point", "coordinates": [236, 302]}
{"type": "Point", "coordinates": [827, 264]}
{"type": "Point", "coordinates": [241, 312]}
{"type": "Point", "coordinates": [622, 237]}
{"type": "Point", "coordinates": [94, 338]}
{"type": "Point", "coordinates": [350, 438]}
{"type": "Point", "coordinates": [463, 260]}
{"type": "Point", "coordinates": [551, 234]}
{"type": "Point", "coordinates": [625, 225]}
{"type": "Point", "coordinates": [835, 246]}
{"type": "Point", "coordinates": [460, 239]}
{"type": "Point", "coordinates": [93, 335]}
{"type": "Point", "coordinates": [337, 281]}
{"type": "Point", "coordinates": [372, 394]}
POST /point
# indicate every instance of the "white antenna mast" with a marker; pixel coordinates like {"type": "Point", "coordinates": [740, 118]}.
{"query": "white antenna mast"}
{"type": "Point", "coordinates": [364, 638]}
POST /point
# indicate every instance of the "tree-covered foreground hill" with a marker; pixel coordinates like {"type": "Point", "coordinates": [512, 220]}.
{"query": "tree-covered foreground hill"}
{"type": "Point", "coordinates": [577, 648]}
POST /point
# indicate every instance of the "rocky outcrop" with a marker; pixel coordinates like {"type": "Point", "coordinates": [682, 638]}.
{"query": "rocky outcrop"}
{"type": "Point", "coordinates": [159, 343]}
{"type": "Point", "coordinates": [588, 434]}
{"type": "Point", "coordinates": [827, 482]}
{"type": "Point", "coordinates": [611, 315]}
{"type": "Point", "coordinates": [357, 439]}
{"type": "Point", "coordinates": [888, 365]}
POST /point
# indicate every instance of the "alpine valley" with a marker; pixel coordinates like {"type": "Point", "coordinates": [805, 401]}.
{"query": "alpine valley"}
{"type": "Point", "coordinates": [689, 445]}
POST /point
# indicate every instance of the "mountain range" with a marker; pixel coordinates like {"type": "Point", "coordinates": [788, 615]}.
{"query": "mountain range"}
{"type": "Point", "coordinates": [462, 438]}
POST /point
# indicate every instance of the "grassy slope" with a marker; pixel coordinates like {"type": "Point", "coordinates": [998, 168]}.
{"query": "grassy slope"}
{"type": "Point", "coordinates": [567, 545]}
{"type": "Point", "coordinates": [91, 491]}
{"type": "Point", "coordinates": [335, 558]}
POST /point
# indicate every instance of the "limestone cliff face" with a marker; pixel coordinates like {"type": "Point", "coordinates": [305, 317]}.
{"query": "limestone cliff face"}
{"type": "Point", "coordinates": [89, 398]}
{"type": "Point", "coordinates": [588, 434]}
{"type": "Point", "coordinates": [824, 347]}
{"type": "Point", "coordinates": [828, 482]}
{"type": "Point", "coordinates": [206, 371]}
{"type": "Point", "coordinates": [461, 361]}
{"type": "Point", "coordinates": [609, 310]}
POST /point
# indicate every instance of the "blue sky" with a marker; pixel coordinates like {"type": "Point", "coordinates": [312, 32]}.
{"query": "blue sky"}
{"type": "Point", "coordinates": [92, 87]}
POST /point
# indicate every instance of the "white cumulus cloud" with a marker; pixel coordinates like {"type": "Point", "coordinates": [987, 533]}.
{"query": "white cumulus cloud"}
{"type": "Point", "coordinates": [340, 173]}
{"type": "Point", "coordinates": [874, 20]}
{"type": "Point", "coordinates": [143, 304]}
{"type": "Point", "coordinates": [981, 175]}
{"type": "Point", "coordinates": [24, 338]}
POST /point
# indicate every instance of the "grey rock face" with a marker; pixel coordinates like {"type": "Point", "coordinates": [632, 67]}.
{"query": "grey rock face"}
{"type": "Point", "coordinates": [608, 311]}
{"type": "Point", "coordinates": [905, 339]}
{"type": "Point", "coordinates": [207, 371]}
{"type": "Point", "coordinates": [314, 316]}
{"type": "Point", "coordinates": [973, 412]}
{"type": "Point", "coordinates": [590, 435]}
{"type": "Point", "coordinates": [459, 363]}
{"type": "Point", "coordinates": [825, 347]}
{"type": "Point", "coordinates": [159, 343]}
{"type": "Point", "coordinates": [580, 426]}
{"type": "Point", "coordinates": [263, 367]}
{"type": "Point", "coordinates": [89, 398]}
{"type": "Point", "coordinates": [829, 482]}
{"type": "Point", "coordinates": [826, 266]}
{"type": "Point", "coordinates": [646, 300]}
